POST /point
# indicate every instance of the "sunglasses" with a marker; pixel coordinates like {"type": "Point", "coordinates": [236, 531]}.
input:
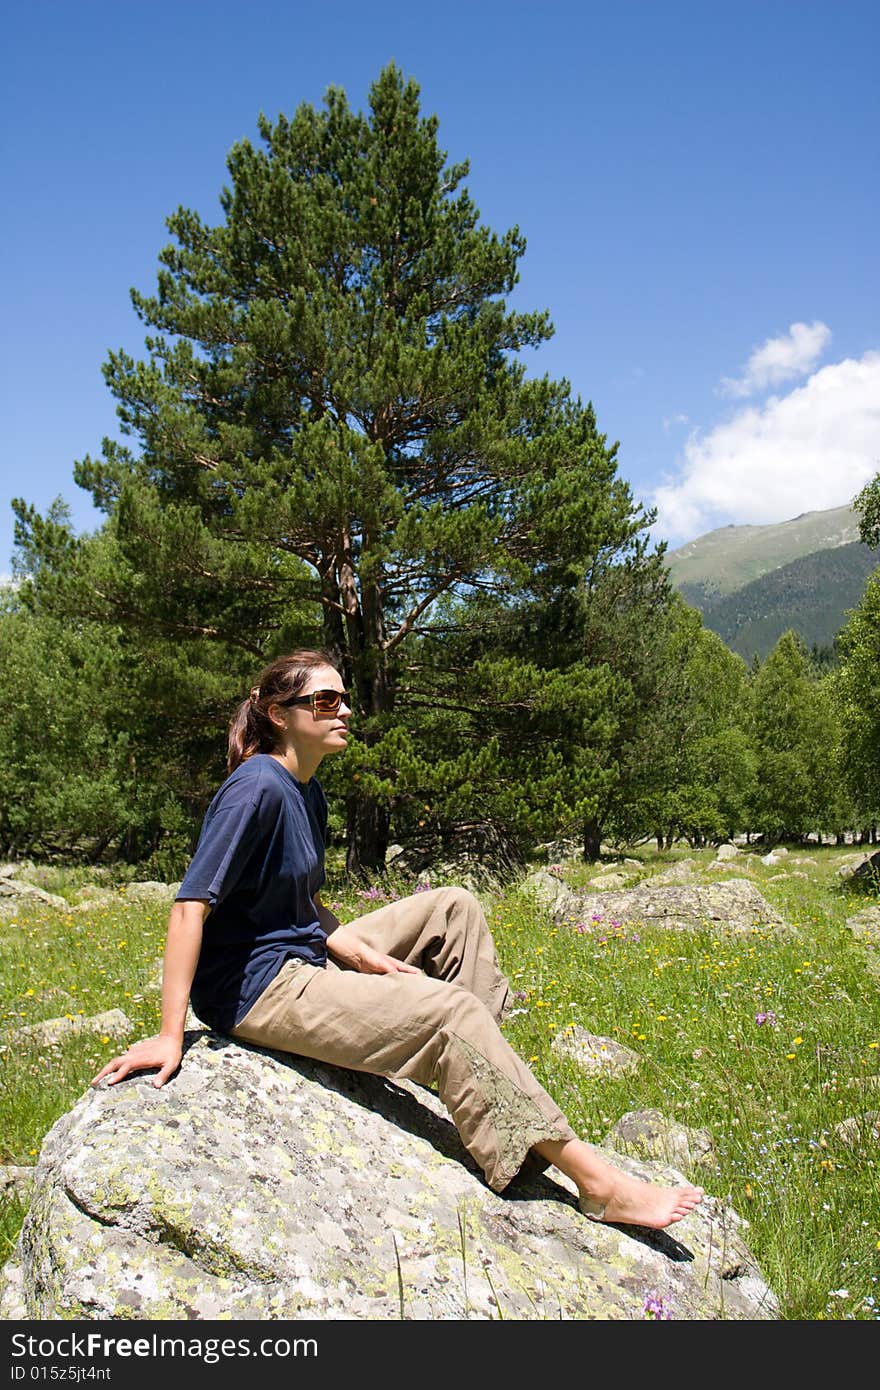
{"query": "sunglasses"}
{"type": "Point", "coordinates": [321, 701]}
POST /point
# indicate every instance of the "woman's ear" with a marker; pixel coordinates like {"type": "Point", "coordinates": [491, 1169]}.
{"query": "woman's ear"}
{"type": "Point", "coordinates": [277, 715]}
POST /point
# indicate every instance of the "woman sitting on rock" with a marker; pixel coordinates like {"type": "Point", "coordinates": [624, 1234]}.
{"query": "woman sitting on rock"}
{"type": "Point", "coordinates": [411, 990]}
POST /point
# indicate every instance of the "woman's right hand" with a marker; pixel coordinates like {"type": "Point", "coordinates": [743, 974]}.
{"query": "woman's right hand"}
{"type": "Point", "coordinates": [163, 1052]}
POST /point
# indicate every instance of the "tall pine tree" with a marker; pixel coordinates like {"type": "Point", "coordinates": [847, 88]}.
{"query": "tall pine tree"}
{"type": "Point", "coordinates": [333, 429]}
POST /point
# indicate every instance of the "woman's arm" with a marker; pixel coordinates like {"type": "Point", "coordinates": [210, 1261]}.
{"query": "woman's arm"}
{"type": "Point", "coordinates": [182, 945]}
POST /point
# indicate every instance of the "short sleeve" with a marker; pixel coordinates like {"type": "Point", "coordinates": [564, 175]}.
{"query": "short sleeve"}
{"type": "Point", "coordinates": [229, 837]}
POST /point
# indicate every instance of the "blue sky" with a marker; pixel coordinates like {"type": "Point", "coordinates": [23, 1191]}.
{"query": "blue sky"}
{"type": "Point", "coordinates": [697, 184]}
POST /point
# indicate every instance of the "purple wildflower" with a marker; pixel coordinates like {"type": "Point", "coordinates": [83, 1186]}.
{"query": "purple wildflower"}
{"type": "Point", "coordinates": [655, 1308]}
{"type": "Point", "coordinates": [422, 887]}
{"type": "Point", "coordinates": [768, 1017]}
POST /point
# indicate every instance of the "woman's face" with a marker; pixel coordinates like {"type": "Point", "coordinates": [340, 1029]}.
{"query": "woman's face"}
{"type": "Point", "coordinates": [312, 733]}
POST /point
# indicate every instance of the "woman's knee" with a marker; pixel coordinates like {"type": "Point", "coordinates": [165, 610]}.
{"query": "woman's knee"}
{"type": "Point", "coordinates": [466, 1013]}
{"type": "Point", "coordinates": [462, 900]}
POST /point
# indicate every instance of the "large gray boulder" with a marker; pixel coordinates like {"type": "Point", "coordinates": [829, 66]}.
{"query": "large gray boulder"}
{"type": "Point", "coordinates": [16, 1179]}
{"type": "Point", "coordinates": [258, 1185]}
{"type": "Point", "coordinates": [734, 906]}
{"type": "Point", "coordinates": [551, 891]}
{"type": "Point", "coordinates": [150, 890]}
{"type": "Point", "coordinates": [113, 1022]}
{"type": "Point", "coordinates": [606, 881]}
{"type": "Point", "coordinates": [19, 891]}
{"type": "Point", "coordinates": [594, 1054]}
{"type": "Point", "coordinates": [865, 925]}
{"type": "Point", "coordinates": [865, 868]}
{"type": "Point", "coordinates": [651, 1134]}
{"type": "Point", "coordinates": [682, 871]}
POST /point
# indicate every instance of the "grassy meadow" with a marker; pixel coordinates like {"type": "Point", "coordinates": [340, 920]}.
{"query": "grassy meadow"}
{"type": "Point", "coordinates": [768, 1040]}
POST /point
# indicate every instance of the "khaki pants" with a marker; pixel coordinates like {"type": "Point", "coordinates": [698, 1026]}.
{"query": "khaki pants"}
{"type": "Point", "coordinates": [439, 1026]}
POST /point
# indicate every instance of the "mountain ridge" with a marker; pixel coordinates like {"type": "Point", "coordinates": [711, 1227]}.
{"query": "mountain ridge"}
{"type": "Point", "coordinates": [729, 557]}
{"type": "Point", "coordinates": [752, 583]}
{"type": "Point", "coordinates": [813, 595]}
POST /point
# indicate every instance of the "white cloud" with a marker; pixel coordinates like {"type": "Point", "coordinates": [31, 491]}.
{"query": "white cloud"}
{"type": "Point", "coordinates": [780, 359]}
{"type": "Point", "coordinates": [809, 450]}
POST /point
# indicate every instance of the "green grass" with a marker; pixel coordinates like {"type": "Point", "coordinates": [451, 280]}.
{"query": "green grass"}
{"type": "Point", "coordinates": [56, 964]}
{"type": "Point", "coordinates": [770, 1093]}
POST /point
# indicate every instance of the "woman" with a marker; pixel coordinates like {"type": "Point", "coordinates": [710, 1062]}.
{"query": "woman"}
{"type": "Point", "coordinates": [411, 990]}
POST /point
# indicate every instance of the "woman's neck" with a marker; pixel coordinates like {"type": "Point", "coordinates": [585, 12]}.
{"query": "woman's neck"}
{"type": "Point", "coordinates": [303, 769]}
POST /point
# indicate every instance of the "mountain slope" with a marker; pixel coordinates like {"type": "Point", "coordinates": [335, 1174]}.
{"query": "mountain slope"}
{"type": "Point", "coordinates": [725, 560]}
{"type": "Point", "coordinates": [812, 594]}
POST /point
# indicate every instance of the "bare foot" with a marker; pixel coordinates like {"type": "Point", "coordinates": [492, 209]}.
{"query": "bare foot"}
{"type": "Point", "coordinates": [630, 1202]}
{"type": "Point", "coordinates": [607, 1194]}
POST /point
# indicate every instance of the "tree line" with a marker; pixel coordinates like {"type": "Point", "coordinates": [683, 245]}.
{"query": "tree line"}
{"type": "Point", "coordinates": [333, 441]}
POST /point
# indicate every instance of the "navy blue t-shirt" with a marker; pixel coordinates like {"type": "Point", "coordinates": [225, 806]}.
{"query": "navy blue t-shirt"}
{"type": "Point", "coordinates": [258, 862]}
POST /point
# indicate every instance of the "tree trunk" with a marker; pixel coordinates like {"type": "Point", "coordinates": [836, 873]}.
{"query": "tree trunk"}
{"type": "Point", "coordinates": [368, 824]}
{"type": "Point", "coordinates": [592, 841]}
{"type": "Point", "coordinates": [334, 629]}
{"type": "Point", "coordinates": [99, 846]}
{"type": "Point", "coordinates": [367, 829]}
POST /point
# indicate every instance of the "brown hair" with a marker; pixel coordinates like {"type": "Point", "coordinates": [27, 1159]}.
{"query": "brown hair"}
{"type": "Point", "coordinates": [250, 728]}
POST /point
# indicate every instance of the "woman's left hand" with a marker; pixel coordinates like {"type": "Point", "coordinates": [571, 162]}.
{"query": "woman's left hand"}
{"type": "Point", "coordinates": [375, 963]}
{"type": "Point", "coordinates": [349, 950]}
